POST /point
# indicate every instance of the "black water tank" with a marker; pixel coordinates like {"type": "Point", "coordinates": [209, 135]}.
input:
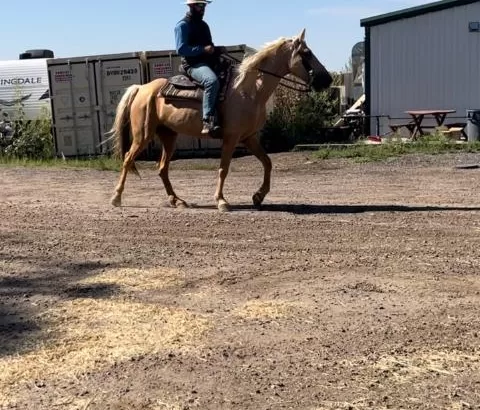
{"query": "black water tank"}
{"type": "Point", "coordinates": [36, 54]}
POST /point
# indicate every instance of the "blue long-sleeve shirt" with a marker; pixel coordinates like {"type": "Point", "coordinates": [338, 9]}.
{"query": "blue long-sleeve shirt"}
{"type": "Point", "coordinates": [182, 33]}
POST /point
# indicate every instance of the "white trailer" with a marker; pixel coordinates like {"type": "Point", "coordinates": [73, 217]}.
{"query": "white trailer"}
{"type": "Point", "coordinates": [24, 82]}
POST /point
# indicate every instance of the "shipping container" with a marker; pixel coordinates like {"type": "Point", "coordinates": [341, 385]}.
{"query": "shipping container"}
{"type": "Point", "coordinates": [24, 82]}
{"type": "Point", "coordinates": [84, 95]}
{"type": "Point", "coordinates": [114, 74]}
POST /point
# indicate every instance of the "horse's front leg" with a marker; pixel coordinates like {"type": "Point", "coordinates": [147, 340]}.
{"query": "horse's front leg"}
{"type": "Point", "coordinates": [254, 146]}
{"type": "Point", "coordinates": [227, 152]}
{"type": "Point", "coordinates": [168, 143]}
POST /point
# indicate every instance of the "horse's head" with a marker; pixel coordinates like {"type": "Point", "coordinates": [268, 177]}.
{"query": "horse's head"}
{"type": "Point", "coordinates": [305, 65]}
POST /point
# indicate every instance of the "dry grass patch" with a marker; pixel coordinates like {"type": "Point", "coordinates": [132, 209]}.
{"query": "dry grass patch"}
{"type": "Point", "coordinates": [267, 309]}
{"type": "Point", "coordinates": [132, 280]}
{"type": "Point", "coordinates": [11, 266]}
{"type": "Point", "coordinates": [404, 369]}
{"type": "Point", "coordinates": [361, 404]}
{"type": "Point", "coordinates": [85, 334]}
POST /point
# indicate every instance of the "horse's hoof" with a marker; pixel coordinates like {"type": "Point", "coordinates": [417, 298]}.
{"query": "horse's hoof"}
{"type": "Point", "coordinates": [172, 202]}
{"type": "Point", "coordinates": [257, 199]}
{"type": "Point", "coordinates": [116, 201]}
{"type": "Point", "coordinates": [224, 207]}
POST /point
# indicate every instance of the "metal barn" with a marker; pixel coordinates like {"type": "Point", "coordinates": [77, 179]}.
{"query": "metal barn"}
{"type": "Point", "coordinates": [422, 58]}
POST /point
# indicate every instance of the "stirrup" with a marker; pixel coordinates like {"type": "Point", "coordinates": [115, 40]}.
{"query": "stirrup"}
{"type": "Point", "coordinates": [209, 126]}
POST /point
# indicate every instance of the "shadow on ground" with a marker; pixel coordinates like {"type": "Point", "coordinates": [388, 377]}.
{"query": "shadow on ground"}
{"type": "Point", "coordinates": [304, 209]}
{"type": "Point", "coordinates": [23, 297]}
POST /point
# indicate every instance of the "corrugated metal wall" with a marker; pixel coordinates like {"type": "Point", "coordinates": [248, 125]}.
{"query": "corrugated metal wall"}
{"type": "Point", "coordinates": [431, 61]}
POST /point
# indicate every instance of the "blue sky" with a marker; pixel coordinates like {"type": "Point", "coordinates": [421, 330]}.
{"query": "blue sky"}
{"type": "Point", "coordinates": [90, 27]}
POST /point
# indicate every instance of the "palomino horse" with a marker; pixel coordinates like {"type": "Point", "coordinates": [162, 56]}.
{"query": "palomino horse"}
{"type": "Point", "coordinates": [142, 114]}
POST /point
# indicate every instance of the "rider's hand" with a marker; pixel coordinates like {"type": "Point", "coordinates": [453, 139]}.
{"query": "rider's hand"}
{"type": "Point", "coordinates": [209, 49]}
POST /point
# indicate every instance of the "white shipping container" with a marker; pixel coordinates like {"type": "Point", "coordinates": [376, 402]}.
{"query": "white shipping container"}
{"type": "Point", "coordinates": [24, 81]}
{"type": "Point", "coordinates": [85, 92]}
{"type": "Point", "coordinates": [74, 106]}
{"type": "Point", "coordinates": [114, 74]}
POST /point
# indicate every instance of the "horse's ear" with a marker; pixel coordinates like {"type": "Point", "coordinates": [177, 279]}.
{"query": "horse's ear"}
{"type": "Point", "coordinates": [299, 39]}
{"type": "Point", "coordinates": [301, 36]}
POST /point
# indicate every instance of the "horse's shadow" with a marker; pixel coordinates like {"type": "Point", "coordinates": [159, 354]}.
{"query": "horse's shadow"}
{"type": "Point", "coordinates": [309, 209]}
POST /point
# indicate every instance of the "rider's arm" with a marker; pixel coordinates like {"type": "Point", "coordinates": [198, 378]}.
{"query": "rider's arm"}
{"type": "Point", "coordinates": [209, 35]}
{"type": "Point", "coordinates": [181, 40]}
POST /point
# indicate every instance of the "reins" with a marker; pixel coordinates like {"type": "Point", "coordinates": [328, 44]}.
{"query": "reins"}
{"type": "Point", "coordinates": [305, 88]}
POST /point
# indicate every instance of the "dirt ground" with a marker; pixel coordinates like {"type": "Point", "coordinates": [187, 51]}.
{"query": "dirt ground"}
{"type": "Point", "coordinates": [356, 286]}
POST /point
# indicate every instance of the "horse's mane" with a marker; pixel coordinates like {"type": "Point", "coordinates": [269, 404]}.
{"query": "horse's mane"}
{"type": "Point", "coordinates": [247, 73]}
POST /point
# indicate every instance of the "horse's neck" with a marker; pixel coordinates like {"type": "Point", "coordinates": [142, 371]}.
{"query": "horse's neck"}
{"type": "Point", "coordinates": [259, 92]}
{"type": "Point", "coordinates": [266, 87]}
{"type": "Point", "coordinates": [272, 73]}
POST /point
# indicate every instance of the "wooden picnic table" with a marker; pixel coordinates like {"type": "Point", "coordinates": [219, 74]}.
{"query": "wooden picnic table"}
{"type": "Point", "coordinates": [419, 115]}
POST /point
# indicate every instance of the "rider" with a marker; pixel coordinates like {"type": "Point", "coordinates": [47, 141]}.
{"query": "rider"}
{"type": "Point", "coordinates": [194, 44]}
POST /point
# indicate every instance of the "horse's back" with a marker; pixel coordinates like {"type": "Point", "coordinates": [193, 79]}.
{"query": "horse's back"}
{"type": "Point", "coordinates": [156, 84]}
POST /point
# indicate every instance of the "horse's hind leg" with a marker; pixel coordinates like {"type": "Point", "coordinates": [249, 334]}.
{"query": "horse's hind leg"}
{"type": "Point", "coordinates": [168, 139]}
{"type": "Point", "coordinates": [139, 142]}
{"type": "Point", "coordinates": [128, 164]}
{"type": "Point", "coordinates": [254, 146]}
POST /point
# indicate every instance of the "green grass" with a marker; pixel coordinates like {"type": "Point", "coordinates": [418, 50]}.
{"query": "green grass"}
{"type": "Point", "coordinates": [105, 164]}
{"type": "Point", "coordinates": [100, 163]}
{"type": "Point", "coordinates": [431, 145]}
{"type": "Point", "coordinates": [202, 165]}
{"type": "Point", "coordinates": [360, 152]}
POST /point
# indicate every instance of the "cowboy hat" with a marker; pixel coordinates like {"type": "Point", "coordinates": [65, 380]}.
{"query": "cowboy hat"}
{"type": "Point", "coordinates": [198, 1]}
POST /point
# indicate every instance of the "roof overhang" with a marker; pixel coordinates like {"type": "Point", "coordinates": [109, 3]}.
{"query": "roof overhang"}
{"type": "Point", "coordinates": [413, 12]}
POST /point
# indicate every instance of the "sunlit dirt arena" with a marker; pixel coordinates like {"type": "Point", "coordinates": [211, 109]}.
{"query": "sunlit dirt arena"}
{"type": "Point", "coordinates": [355, 286]}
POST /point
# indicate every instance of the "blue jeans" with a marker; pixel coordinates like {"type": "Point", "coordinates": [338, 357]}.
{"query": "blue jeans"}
{"type": "Point", "coordinates": [209, 81]}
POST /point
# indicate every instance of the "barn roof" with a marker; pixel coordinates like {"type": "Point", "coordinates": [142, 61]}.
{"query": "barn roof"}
{"type": "Point", "coordinates": [413, 12]}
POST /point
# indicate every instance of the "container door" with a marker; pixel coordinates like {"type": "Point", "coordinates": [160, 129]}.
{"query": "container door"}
{"type": "Point", "coordinates": [162, 65]}
{"type": "Point", "coordinates": [74, 108]}
{"type": "Point", "coordinates": [113, 78]}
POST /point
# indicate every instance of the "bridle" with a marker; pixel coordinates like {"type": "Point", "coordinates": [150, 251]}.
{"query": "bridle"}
{"type": "Point", "coordinates": [292, 84]}
{"type": "Point", "coordinates": [304, 88]}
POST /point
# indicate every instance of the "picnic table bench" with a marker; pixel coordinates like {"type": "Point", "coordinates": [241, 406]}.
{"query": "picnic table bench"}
{"type": "Point", "coordinates": [410, 126]}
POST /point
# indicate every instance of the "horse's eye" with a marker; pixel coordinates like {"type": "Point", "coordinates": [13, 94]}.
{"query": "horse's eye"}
{"type": "Point", "coordinates": [307, 52]}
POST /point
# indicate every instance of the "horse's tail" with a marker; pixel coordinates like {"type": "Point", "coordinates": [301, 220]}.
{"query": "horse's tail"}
{"type": "Point", "coordinates": [120, 131]}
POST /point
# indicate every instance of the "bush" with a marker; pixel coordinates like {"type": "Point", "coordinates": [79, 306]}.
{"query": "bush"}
{"type": "Point", "coordinates": [298, 118]}
{"type": "Point", "coordinates": [314, 112]}
{"type": "Point", "coordinates": [31, 138]}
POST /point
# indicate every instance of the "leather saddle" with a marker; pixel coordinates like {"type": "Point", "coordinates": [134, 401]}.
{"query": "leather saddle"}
{"type": "Point", "coordinates": [183, 87]}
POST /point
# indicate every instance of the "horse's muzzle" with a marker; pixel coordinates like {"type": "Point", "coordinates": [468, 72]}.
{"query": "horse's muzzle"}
{"type": "Point", "coordinates": [321, 81]}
